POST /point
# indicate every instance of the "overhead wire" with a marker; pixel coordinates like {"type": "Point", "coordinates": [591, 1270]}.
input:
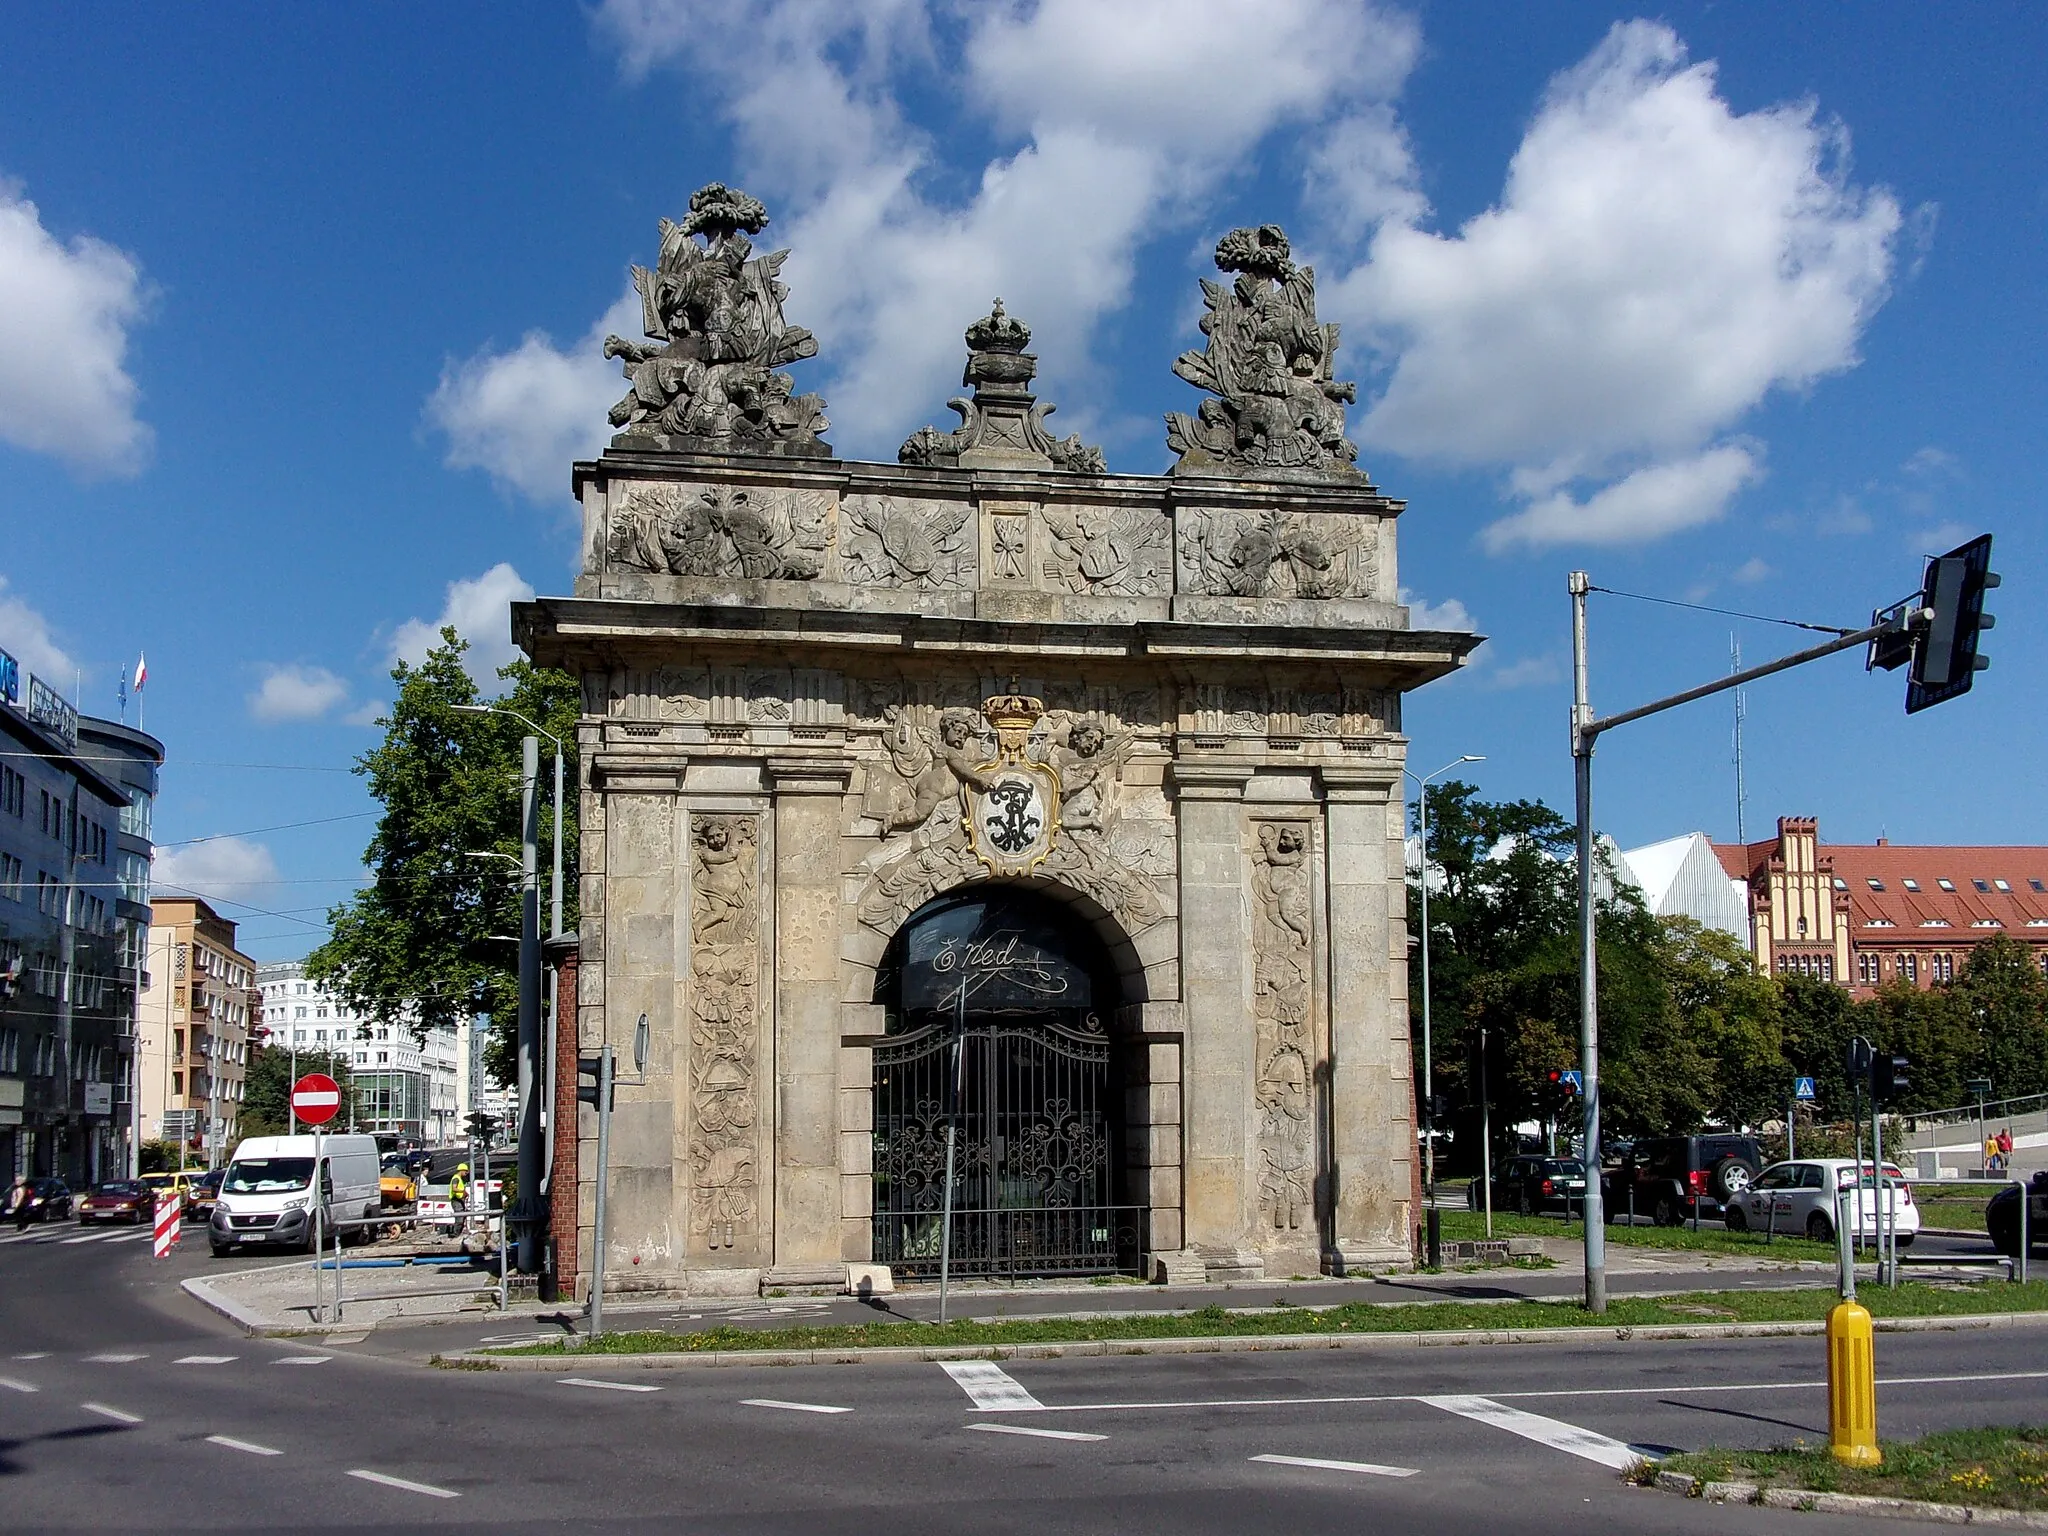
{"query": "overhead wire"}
{"type": "Point", "coordinates": [1732, 613]}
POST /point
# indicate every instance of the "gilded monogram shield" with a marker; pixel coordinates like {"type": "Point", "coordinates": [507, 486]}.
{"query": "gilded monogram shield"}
{"type": "Point", "coordinates": [1013, 808]}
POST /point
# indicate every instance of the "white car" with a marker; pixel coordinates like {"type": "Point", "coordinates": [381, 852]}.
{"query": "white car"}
{"type": "Point", "coordinates": [1798, 1199]}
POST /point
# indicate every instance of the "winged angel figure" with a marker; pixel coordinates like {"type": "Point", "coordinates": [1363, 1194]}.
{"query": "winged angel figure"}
{"type": "Point", "coordinates": [895, 543]}
{"type": "Point", "coordinates": [721, 532]}
{"type": "Point", "coordinates": [1107, 549]}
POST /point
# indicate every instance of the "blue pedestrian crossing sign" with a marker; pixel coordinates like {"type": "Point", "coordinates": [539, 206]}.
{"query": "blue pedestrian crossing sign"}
{"type": "Point", "coordinates": [1574, 1080]}
{"type": "Point", "coordinates": [1802, 1089]}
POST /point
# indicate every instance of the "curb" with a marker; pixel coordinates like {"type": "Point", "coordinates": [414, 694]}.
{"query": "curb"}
{"type": "Point", "coordinates": [1848, 1503]}
{"type": "Point", "coordinates": [254, 1324]}
{"type": "Point", "coordinates": [1225, 1345]}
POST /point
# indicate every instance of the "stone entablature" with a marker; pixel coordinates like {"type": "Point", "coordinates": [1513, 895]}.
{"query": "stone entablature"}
{"type": "Point", "coordinates": [1010, 545]}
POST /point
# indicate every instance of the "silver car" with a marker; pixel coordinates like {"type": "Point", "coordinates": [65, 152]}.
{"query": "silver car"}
{"type": "Point", "coordinates": [1798, 1199]}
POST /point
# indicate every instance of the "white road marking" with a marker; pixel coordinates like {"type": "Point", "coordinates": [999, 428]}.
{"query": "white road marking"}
{"type": "Point", "coordinates": [608, 1386]}
{"type": "Point", "coordinates": [776, 1402]}
{"type": "Point", "coordinates": [40, 1354]}
{"type": "Point", "coordinates": [989, 1387]}
{"type": "Point", "coordinates": [405, 1483]}
{"type": "Point", "coordinates": [204, 1360]}
{"type": "Point", "coordinates": [1373, 1468]}
{"type": "Point", "coordinates": [110, 1413]}
{"type": "Point", "coordinates": [85, 1237]}
{"type": "Point", "coordinates": [131, 1237]}
{"type": "Point", "coordinates": [113, 1359]}
{"type": "Point", "coordinates": [242, 1445]}
{"type": "Point", "coordinates": [1555, 1433]}
{"type": "Point", "coordinates": [1041, 1434]}
{"type": "Point", "coordinates": [302, 1360]}
{"type": "Point", "coordinates": [15, 1386]}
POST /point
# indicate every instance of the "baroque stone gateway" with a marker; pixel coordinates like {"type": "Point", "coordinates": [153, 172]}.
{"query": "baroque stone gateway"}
{"type": "Point", "coordinates": [990, 791]}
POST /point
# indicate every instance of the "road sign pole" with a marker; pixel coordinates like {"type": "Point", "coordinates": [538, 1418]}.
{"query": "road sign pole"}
{"type": "Point", "coordinates": [1791, 1121]}
{"type": "Point", "coordinates": [1589, 983]}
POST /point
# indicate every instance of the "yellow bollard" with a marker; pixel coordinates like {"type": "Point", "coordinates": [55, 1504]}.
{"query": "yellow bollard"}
{"type": "Point", "coordinates": [1852, 1387]}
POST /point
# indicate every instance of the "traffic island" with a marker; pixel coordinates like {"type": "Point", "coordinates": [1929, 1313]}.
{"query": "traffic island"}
{"type": "Point", "coordinates": [1995, 1476]}
{"type": "Point", "coordinates": [1345, 1325]}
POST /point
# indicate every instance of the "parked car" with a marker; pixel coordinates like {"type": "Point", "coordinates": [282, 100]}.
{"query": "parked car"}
{"type": "Point", "coordinates": [1799, 1200]}
{"type": "Point", "coordinates": [1671, 1178]}
{"type": "Point", "coordinates": [118, 1200]}
{"type": "Point", "coordinates": [271, 1195]}
{"type": "Point", "coordinates": [48, 1200]}
{"type": "Point", "coordinates": [1530, 1185]}
{"type": "Point", "coordinates": [178, 1183]}
{"type": "Point", "coordinates": [204, 1192]}
{"type": "Point", "coordinates": [2002, 1217]}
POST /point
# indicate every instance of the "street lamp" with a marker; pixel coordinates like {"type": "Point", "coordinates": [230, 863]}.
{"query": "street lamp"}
{"type": "Point", "coordinates": [1428, 1072]}
{"type": "Point", "coordinates": [555, 892]}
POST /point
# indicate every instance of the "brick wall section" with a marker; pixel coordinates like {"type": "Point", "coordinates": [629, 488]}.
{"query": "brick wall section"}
{"type": "Point", "coordinates": [562, 1186]}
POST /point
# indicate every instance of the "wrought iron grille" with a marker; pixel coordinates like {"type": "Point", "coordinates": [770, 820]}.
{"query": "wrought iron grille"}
{"type": "Point", "coordinates": [1034, 1177]}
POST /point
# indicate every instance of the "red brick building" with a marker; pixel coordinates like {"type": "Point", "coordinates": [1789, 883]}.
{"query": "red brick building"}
{"type": "Point", "coordinates": [1863, 914]}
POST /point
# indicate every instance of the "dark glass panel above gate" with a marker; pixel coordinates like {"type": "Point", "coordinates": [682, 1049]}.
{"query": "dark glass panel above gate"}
{"type": "Point", "coordinates": [1009, 949]}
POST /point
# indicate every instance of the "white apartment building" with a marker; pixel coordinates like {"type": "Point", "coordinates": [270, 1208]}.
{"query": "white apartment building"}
{"type": "Point", "coordinates": [407, 1086]}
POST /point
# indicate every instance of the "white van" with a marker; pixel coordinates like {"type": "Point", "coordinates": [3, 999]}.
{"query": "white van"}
{"type": "Point", "coordinates": [272, 1189]}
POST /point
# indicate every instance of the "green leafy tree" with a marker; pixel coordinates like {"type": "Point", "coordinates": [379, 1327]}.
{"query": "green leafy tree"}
{"type": "Point", "coordinates": [426, 943]}
{"type": "Point", "coordinates": [2003, 1001]}
{"type": "Point", "coordinates": [267, 1087]}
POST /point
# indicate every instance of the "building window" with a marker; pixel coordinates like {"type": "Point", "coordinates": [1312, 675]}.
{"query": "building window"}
{"type": "Point", "coordinates": [1944, 968]}
{"type": "Point", "coordinates": [1875, 885]}
{"type": "Point", "coordinates": [2036, 885]}
{"type": "Point", "coordinates": [1909, 965]}
{"type": "Point", "coordinates": [1982, 885]}
{"type": "Point", "coordinates": [1911, 885]}
{"type": "Point", "coordinates": [1827, 967]}
{"type": "Point", "coordinates": [2003, 888]}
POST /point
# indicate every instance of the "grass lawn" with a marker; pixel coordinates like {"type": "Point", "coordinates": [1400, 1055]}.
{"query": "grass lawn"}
{"type": "Point", "coordinates": [1709, 1239]}
{"type": "Point", "coordinates": [2006, 1468]}
{"type": "Point", "coordinates": [1959, 1215]}
{"type": "Point", "coordinates": [1807, 1305]}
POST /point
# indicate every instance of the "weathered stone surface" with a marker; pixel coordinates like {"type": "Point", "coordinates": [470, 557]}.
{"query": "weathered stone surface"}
{"type": "Point", "coordinates": [1003, 425]}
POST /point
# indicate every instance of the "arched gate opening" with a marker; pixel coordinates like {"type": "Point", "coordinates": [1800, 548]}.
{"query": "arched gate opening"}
{"type": "Point", "coordinates": [999, 1004]}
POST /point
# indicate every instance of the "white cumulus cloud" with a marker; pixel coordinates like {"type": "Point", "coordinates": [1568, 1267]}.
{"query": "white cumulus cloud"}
{"type": "Point", "coordinates": [25, 635]}
{"type": "Point", "coordinates": [296, 693]}
{"type": "Point", "coordinates": [523, 416]}
{"type": "Point", "coordinates": [1112, 121]}
{"type": "Point", "coordinates": [1448, 614]}
{"type": "Point", "coordinates": [220, 868]}
{"type": "Point", "coordinates": [65, 313]}
{"type": "Point", "coordinates": [479, 609]}
{"type": "Point", "coordinates": [1655, 266]}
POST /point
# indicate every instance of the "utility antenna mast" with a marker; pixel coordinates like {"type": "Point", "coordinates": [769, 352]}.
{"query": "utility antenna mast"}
{"type": "Point", "coordinates": [1741, 709]}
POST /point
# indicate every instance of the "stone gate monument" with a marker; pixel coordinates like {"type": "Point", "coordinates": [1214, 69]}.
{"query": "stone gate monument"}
{"type": "Point", "coordinates": [993, 796]}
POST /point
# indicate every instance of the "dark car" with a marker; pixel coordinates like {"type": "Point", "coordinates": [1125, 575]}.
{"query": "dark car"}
{"type": "Point", "coordinates": [118, 1200]}
{"type": "Point", "coordinates": [1671, 1178]}
{"type": "Point", "coordinates": [205, 1193]}
{"type": "Point", "coordinates": [1530, 1185]}
{"type": "Point", "coordinates": [2002, 1217]}
{"type": "Point", "coordinates": [48, 1200]}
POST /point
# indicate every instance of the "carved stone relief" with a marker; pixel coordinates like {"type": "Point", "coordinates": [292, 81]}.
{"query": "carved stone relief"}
{"type": "Point", "coordinates": [725, 968]}
{"type": "Point", "coordinates": [1009, 550]}
{"type": "Point", "coordinates": [1282, 925]}
{"type": "Point", "coordinates": [1121, 550]}
{"type": "Point", "coordinates": [1004, 423]}
{"type": "Point", "coordinates": [682, 693]}
{"type": "Point", "coordinates": [764, 534]}
{"type": "Point", "coordinates": [715, 336]}
{"type": "Point", "coordinates": [900, 541]}
{"type": "Point", "coordinates": [1270, 364]}
{"type": "Point", "coordinates": [1276, 554]}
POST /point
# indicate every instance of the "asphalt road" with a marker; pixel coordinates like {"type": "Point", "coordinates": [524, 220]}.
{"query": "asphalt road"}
{"type": "Point", "coordinates": [124, 1405]}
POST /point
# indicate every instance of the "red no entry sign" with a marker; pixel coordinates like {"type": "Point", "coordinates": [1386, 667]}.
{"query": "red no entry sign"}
{"type": "Point", "coordinates": [316, 1098]}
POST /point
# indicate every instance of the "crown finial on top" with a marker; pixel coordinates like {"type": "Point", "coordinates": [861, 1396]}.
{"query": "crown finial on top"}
{"type": "Point", "coordinates": [998, 332]}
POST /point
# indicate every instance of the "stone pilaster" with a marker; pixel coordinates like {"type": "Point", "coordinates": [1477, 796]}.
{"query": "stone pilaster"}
{"type": "Point", "coordinates": [1372, 1096]}
{"type": "Point", "coordinates": [1218, 1188]}
{"type": "Point", "coordinates": [808, 1197]}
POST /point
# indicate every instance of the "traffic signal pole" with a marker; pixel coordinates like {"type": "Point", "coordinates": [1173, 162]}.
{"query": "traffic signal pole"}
{"type": "Point", "coordinates": [526, 1220]}
{"type": "Point", "coordinates": [1586, 730]}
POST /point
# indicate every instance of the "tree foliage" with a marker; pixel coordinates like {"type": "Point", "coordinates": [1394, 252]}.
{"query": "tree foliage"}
{"type": "Point", "coordinates": [267, 1086]}
{"type": "Point", "coordinates": [429, 942]}
{"type": "Point", "coordinates": [1691, 1034]}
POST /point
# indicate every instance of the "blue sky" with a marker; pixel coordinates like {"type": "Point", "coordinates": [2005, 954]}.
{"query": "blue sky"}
{"type": "Point", "coordinates": [1741, 305]}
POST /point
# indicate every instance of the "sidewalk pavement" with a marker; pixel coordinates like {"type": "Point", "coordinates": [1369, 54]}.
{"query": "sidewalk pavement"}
{"type": "Point", "coordinates": [432, 1305]}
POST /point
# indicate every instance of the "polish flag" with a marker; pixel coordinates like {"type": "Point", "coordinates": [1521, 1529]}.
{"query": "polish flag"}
{"type": "Point", "coordinates": [141, 671]}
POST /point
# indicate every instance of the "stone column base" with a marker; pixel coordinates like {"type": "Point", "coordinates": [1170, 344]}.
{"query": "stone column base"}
{"type": "Point", "coordinates": [1176, 1266]}
{"type": "Point", "coordinates": [1232, 1264]}
{"type": "Point", "coordinates": [805, 1279]}
{"type": "Point", "coordinates": [1361, 1258]}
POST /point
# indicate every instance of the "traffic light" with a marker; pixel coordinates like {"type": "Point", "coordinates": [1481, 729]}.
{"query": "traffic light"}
{"type": "Point", "coordinates": [1438, 1107]}
{"type": "Point", "coordinates": [483, 1127]}
{"type": "Point", "coordinates": [590, 1080]}
{"type": "Point", "coordinates": [1888, 1077]}
{"type": "Point", "coordinates": [1945, 659]}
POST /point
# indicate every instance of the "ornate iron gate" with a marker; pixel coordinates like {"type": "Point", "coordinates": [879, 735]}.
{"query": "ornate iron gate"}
{"type": "Point", "coordinates": [1034, 1162]}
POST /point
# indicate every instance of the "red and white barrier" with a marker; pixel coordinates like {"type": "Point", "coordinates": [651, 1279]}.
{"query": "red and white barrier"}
{"type": "Point", "coordinates": [170, 1212]}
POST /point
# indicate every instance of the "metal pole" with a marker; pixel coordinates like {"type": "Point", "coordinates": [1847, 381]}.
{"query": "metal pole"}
{"type": "Point", "coordinates": [1884, 1276]}
{"type": "Point", "coordinates": [1589, 981]}
{"type": "Point", "coordinates": [952, 1126]}
{"type": "Point", "coordinates": [1791, 1115]}
{"type": "Point", "coordinates": [604, 1158]}
{"type": "Point", "coordinates": [2026, 1232]}
{"type": "Point", "coordinates": [1428, 1114]}
{"type": "Point", "coordinates": [1845, 1257]}
{"type": "Point", "coordinates": [555, 903]}
{"type": "Point", "coordinates": [1485, 1133]}
{"type": "Point", "coordinates": [528, 1213]}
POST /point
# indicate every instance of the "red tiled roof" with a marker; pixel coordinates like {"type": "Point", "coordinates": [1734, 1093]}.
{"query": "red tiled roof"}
{"type": "Point", "coordinates": [1892, 865]}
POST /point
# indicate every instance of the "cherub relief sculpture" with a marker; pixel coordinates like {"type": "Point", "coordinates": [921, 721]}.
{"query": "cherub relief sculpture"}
{"type": "Point", "coordinates": [1270, 363]}
{"type": "Point", "coordinates": [767, 536]}
{"type": "Point", "coordinates": [1122, 550]}
{"type": "Point", "coordinates": [1282, 944]}
{"type": "Point", "coordinates": [716, 335]}
{"type": "Point", "coordinates": [725, 962]}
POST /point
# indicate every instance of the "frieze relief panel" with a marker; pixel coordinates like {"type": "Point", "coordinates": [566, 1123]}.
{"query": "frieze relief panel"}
{"type": "Point", "coordinates": [1282, 963]}
{"type": "Point", "coordinates": [1226, 552]}
{"type": "Point", "coordinates": [908, 541]}
{"type": "Point", "coordinates": [762, 533]}
{"type": "Point", "coordinates": [1125, 551]}
{"type": "Point", "coordinates": [725, 971]}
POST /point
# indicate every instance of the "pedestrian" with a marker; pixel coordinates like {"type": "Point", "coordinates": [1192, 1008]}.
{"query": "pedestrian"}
{"type": "Point", "coordinates": [2005, 1150]}
{"type": "Point", "coordinates": [18, 1199]}
{"type": "Point", "coordinates": [458, 1187]}
{"type": "Point", "coordinates": [1990, 1152]}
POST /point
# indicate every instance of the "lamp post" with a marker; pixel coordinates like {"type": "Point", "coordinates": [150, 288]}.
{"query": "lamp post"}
{"type": "Point", "coordinates": [1428, 1070]}
{"type": "Point", "coordinates": [555, 892]}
